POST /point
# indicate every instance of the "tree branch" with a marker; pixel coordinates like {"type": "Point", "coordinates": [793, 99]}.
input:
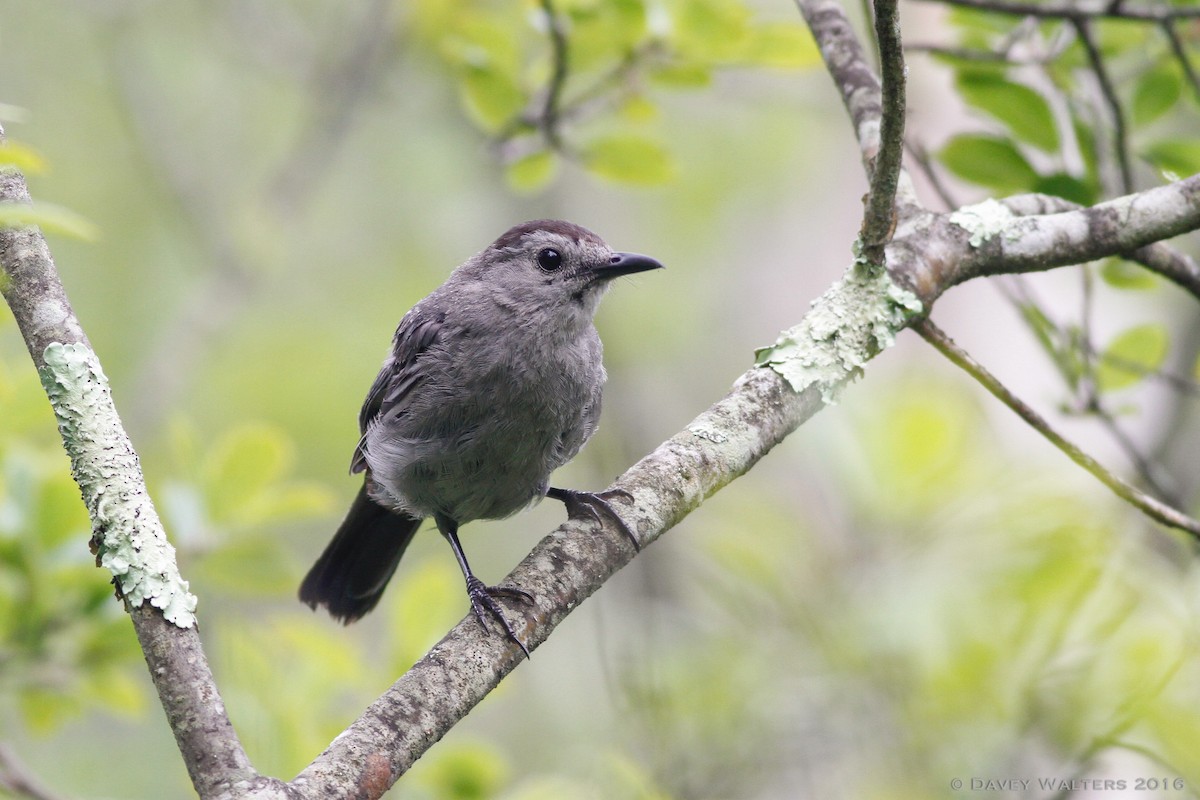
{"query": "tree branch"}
{"type": "Point", "coordinates": [862, 94]}
{"type": "Point", "coordinates": [114, 492]}
{"type": "Point", "coordinates": [851, 323]}
{"type": "Point", "coordinates": [1083, 29]}
{"type": "Point", "coordinates": [564, 569]}
{"type": "Point", "coordinates": [879, 220]}
{"type": "Point", "coordinates": [17, 781]}
{"type": "Point", "coordinates": [989, 239]}
{"type": "Point", "coordinates": [549, 121]}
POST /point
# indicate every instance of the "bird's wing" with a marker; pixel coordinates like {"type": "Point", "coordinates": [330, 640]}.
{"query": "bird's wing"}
{"type": "Point", "coordinates": [398, 376]}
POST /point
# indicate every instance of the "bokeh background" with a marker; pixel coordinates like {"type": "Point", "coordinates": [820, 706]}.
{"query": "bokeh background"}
{"type": "Point", "coordinates": [913, 589]}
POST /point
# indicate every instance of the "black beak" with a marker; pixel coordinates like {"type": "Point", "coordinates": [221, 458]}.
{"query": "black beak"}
{"type": "Point", "coordinates": [625, 264]}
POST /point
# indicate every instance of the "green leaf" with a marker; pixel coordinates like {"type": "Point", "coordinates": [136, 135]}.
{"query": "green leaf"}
{"type": "Point", "coordinates": [1024, 110]}
{"type": "Point", "coordinates": [470, 771]}
{"type": "Point", "coordinates": [1067, 187]}
{"type": "Point", "coordinates": [61, 515]}
{"type": "Point", "coordinates": [988, 161]}
{"type": "Point", "coordinates": [713, 31]}
{"type": "Point", "coordinates": [24, 158]}
{"type": "Point", "coordinates": [44, 709]}
{"type": "Point", "coordinates": [603, 32]}
{"type": "Point", "coordinates": [1156, 93]}
{"type": "Point", "coordinates": [784, 45]}
{"type": "Point", "coordinates": [1180, 156]}
{"type": "Point", "coordinates": [530, 173]}
{"type": "Point", "coordinates": [50, 218]}
{"type": "Point", "coordinates": [1122, 274]}
{"type": "Point", "coordinates": [1131, 356]}
{"type": "Point", "coordinates": [629, 158]}
{"type": "Point", "coordinates": [491, 96]}
{"type": "Point", "coordinates": [682, 75]}
{"type": "Point", "coordinates": [638, 108]}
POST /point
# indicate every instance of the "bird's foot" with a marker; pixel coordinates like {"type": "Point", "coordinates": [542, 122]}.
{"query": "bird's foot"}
{"type": "Point", "coordinates": [483, 599]}
{"type": "Point", "coordinates": [591, 505]}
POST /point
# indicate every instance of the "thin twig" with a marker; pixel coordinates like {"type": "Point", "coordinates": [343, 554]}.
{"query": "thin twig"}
{"type": "Point", "coordinates": [1147, 470]}
{"type": "Point", "coordinates": [558, 77]}
{"type": "Point", "coordinates": [879, 220]}
{"type": "Point", "coordinates": [1151, 507]}
{"type": "Point", "coordinates": [1181, 55]}
{"type": "Point", "coordinates": [1073, 9]}
{"type": "Point", "coordinates": [17, 780]}
{"type": "Point", "coordinates": [1120, 135]}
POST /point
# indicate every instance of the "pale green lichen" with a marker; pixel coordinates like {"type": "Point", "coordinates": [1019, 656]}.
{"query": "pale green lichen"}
{"type": "Point", "coordinates": [709, 432]}
{"type": "Point", "coordinates": [983, 221]}
{"type": "Point", "coordinates": [126, 530]}
{"type": "Point", "coordinates": [853, 321]}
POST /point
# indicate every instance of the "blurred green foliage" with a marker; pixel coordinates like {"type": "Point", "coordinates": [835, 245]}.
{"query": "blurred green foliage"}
{"type": "Point", "coordinates": [900, 596]}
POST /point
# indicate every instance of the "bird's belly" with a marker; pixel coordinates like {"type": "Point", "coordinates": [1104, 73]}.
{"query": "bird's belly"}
{"type": "Point", "coordinates": [487, 469]}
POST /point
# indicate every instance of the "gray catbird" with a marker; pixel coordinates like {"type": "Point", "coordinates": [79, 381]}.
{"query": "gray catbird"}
{"type": "Point", "coordinates": [493, 382]}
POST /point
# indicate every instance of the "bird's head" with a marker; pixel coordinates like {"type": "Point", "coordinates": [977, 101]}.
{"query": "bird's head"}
{"type": "Point", "coordinates": [553, 265]}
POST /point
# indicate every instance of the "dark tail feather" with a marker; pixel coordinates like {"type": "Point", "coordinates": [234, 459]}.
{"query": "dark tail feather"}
{"type": "Point", "coordinates": [350, 576]}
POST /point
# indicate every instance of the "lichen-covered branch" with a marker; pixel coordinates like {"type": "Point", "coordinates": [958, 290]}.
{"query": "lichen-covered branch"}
{"type": "Point", "coordinates": [802, 372]}
{"type": "Point", "coordinates": [1001, 242]}
{"type": "Point", "coordinates": [127, 536]}
{"type": "Point", "coordinates": [131, 542]}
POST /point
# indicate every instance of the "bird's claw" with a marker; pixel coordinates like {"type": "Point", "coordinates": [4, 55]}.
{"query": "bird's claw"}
{"type": "Point", "coordinates": [591, 505]}
{"type": "Point", "coordinates": [483, 599]}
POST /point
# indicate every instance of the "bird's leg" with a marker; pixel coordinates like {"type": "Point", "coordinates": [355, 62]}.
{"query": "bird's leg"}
{"type": "Point", "coordinates": [482, 596]}
{"type": "Point", "coordinates": [589, 505]}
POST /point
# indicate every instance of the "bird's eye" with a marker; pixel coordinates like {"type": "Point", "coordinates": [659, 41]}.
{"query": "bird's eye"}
{"type": "Point", "coordinates": [549, 259]}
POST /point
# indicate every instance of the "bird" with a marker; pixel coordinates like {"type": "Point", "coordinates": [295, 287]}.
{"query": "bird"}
{"type": "Point", "coordinates": [492, 382]}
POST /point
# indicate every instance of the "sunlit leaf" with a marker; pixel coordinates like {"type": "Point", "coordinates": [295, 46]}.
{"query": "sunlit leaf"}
{"type": "Point", "coordinates": [23, 157]}
{"type": "Point", "coordinates": [629, 158]}
{"type": "Point", "coordinates": [44, 709]}
{"type": "Point", "coordinates": [1180, 156]}
{"type": "Point", "coordinates": [603, 32]}
{"type": "Point", "coordinates": [1122, 274]}
{"type": "Point", "coordinates": [712, 30]}
{"type": "Point", "coordinates": [1024, 110]}
{"type": "Point", "coordinates": [60, 512]}
{"type": "Point", "coordinates": [424, 604]}
{"type": "Point", "coordinates": [785, 45]}
{"type": "Point", "coordinates": [242, 463]}
{"type": "Point", "coordinates": [471, 771]}
{"type": "Point", "coordinates": [1067, 187]}
{"type": "Point", "coordinates": [49, 217]}
{"type": "Point", "coordinates": [491, 96]}
{"type": "Point", "coordinates": [530, 173]}
{"type": "Point", "coordinates": [246, 566]}
{"type": "Point", "coordinates": [639, 109]}
{"type": "Point", "coordinates": [117, 690]}
{"type": "Point", "coordinates": [1156, 93]}
{"type": "Point", "coordinates": [988, 161]}
{"type": "Point", "coordinates": [1131, 355]}
{"type": "Point", "coordinates": [682, 75]}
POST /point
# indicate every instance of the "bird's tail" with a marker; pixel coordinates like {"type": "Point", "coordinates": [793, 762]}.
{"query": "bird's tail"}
{"type": "Point", "coordinates": [350, 576]}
